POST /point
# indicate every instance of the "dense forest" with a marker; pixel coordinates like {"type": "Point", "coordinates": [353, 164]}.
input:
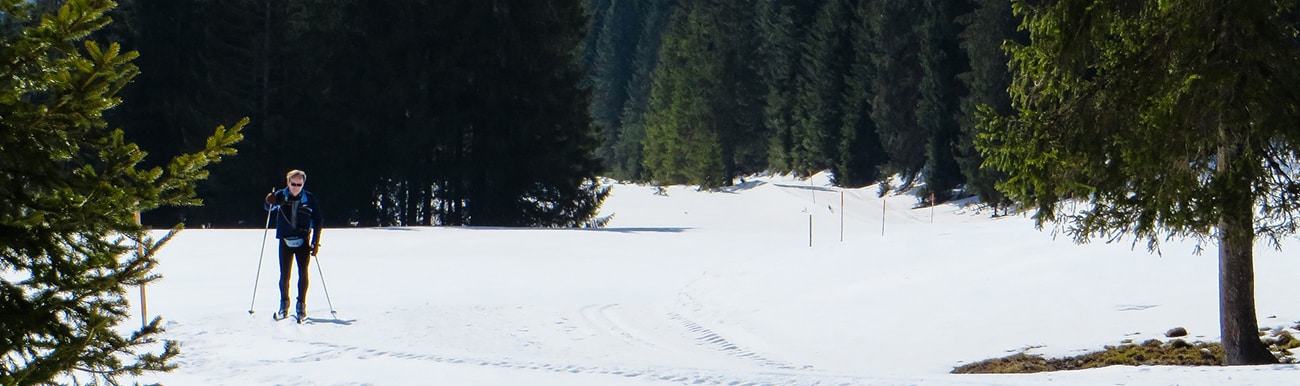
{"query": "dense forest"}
{"type": "Point", "coordinates": [704, 91]}
{"type": "Point", "coordinates": [402, 112]}
{"type": "Point", "coordinates": [506, 112]}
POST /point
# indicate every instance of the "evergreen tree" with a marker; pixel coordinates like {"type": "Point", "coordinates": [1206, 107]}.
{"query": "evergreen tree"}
{"type": "Point", "coordinates": [401, 113]}
{"type": "Point", "coordinates": [625, 161]}
{"type": "Point", "coordinates": [160, 103]}
{"type": "Point", "coordinates": [1170, 119]}
{"type": "Point", "coordinates": [706, 99]}
{"type": "Point", "coordinates": [524, 126]}
{"type": "Point", "coordinates": [681, 143]}
{"type": "Point", "coordinates": [613, 70]}
{"type": "Point", "coordinates": [826, 56]}
{"type": "Point", "coordinates": [939, 106]}
{"type": "Point", "coordinates": [895, 87]}
{"type": "Point", "coordinates": [211, 62]}
{"type": "Point", "coordinates": [739, 104]}
{"type": "Point", "coordinates": [597, 12]}
{"type": "Point", "coordinates": [861, 153]}
{"type": "Point", "coordinates": [780, 26]}
{"type": "Point", "coordinates": [69, 189]}
{"type": "Point", "coordinates": [987, 27]}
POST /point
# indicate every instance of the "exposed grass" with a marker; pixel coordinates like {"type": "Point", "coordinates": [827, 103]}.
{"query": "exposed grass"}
{"type": "Point", "coordinates": [1175, 352]}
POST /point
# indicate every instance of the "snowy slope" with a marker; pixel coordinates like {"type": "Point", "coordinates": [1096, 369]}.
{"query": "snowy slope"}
{"type": "Point", "coordinates": [701, 288]}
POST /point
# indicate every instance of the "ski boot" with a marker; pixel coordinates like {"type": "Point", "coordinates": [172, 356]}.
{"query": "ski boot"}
{"type": "Point", "coordinates": [301, 309]}
{"type": "Point", "coordinates": [283, 312]}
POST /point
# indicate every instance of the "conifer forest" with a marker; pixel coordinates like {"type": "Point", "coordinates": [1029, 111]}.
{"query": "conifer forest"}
{"type": "Point", "coordinates": [508, 112]}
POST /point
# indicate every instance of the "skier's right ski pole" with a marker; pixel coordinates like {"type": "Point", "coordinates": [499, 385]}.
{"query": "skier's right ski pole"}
{"type": "Point", "coordinates": [266, 227]}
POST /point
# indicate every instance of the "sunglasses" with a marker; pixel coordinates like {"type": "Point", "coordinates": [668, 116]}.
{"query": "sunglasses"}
{"type": "Point", "coordinates": [294, 184]}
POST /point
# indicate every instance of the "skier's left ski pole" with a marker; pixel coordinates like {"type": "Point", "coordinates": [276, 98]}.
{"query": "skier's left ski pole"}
{"type": "Point", "coordinates": [266, 227]}
{"type": "Point", "coordinates": [326, 287]}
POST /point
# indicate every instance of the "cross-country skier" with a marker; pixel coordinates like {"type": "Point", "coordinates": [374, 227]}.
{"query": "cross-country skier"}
{"type": "Point", "coordinates": [297, 226]}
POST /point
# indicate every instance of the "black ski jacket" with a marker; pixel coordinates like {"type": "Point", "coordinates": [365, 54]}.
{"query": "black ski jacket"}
{"type": "Point", "coordinates": [296, 216]}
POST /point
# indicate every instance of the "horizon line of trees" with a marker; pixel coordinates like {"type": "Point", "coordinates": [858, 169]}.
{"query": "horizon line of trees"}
{"type": "Point", "coordinates": [405, 112]}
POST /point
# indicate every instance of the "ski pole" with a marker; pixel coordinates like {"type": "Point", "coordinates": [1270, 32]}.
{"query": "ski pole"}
{"type": "Point", "coordinates": [266, 227]}
{"type": "Point", "coordinates": [333, 313]}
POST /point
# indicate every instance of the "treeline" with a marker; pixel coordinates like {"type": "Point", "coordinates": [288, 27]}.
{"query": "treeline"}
{"type": "Point", "coordinates": [704, 91]}
{"type": "Point", "coordinates": [402, 112]}
{"type": "Point", "coordinates": [504, 112]}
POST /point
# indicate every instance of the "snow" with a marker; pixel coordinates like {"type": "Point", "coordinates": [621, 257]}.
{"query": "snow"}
{"type": "Point", "coordinates": [711, 288]}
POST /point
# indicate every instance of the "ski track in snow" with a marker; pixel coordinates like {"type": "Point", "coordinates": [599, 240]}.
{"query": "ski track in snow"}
{"type": "Point", "coordinates": [672, 332]}
{"type": "Point", "coordinates": [599, 316]}
{"type": "Point", "coordinates": [606, 321]}
{"type": "Point", "coordinates": [715, 341]}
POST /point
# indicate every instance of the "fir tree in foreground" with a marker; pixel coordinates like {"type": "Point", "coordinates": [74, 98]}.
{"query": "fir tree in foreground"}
{"type": "Point", "coordinates": [1169, 120]}
{"type": "Point", "coordinates": [69, 188]}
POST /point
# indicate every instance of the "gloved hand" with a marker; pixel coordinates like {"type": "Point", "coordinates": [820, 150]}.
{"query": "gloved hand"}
{"type": "Point", "coordinates": [315, 248]}
{"type": "Point", "coordinates": [270, 199]}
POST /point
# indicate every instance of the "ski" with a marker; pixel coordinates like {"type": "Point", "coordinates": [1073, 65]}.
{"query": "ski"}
{"type": "Point", "coordinates": [296, 318]}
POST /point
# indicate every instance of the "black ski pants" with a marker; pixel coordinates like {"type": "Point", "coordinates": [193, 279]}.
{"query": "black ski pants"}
{"type": "Point", "coordinates": [288, 255]}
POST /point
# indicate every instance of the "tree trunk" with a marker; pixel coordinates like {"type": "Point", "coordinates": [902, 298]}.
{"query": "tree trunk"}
{"type": "Point", "coordinates": [1238, 325]}
{"type": "Point", "coordinates": [1237, 321]}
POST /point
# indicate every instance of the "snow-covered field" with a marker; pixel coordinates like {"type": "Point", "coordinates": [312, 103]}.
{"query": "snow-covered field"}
{"type": "Point", "coordinates": [712, 288]}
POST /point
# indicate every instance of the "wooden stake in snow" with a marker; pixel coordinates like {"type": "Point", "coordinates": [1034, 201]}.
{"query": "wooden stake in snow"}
{"type": "Point", "coordinates": [144, 304]}
{"type": "Point", "coordinates": [932, 204]}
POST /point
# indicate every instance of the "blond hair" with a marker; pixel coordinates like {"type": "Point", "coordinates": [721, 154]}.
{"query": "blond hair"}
{"type": "Point", "coordinates": [296, 173]}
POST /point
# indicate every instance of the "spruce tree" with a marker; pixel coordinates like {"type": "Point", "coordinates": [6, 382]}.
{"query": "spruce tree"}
{"type": "Point", "coordinates": [614, 66]}
{"type": "Point", "coordinates": [780, 26]}
{"type": "Point", "coordinates": [596, 11]}
{"type": "Point", "coordinates": [522, 133]}
{"type": "Point", "coordinates": [739, 103]}
{"type": "Point", "coordinates": [69, 188]}
{"type": "Point", "coordinates": [861, 153]}
{"type": "Point", "coordinates": [682, 144]}
{"type": "Point", "coordinates": [826, 55]}
{"type": "Point", "coordinates": [938, 107]}
{"type": "Point", "coordinates": [987, 27]}
{"type": "Point", "coordinates": [1168, 119]}
{"type": "Point", "coordinates": [895, 88]}
{"type": "Point", "coordinates": [627, 149]}
{"type": "Point", "coordinates": [706, 98]}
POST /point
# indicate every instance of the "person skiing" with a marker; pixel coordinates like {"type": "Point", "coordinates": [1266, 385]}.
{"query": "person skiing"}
{"type": "Point", "coordinates": [298, 227]}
